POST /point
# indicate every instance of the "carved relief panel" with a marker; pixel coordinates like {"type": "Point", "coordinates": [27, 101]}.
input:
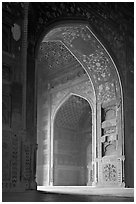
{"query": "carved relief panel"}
{"type": "Point", "coordinates": [112, 156]}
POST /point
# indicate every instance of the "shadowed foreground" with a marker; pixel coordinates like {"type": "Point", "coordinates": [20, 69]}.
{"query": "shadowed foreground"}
{"type": "Point", "coordinates": [39, 196]}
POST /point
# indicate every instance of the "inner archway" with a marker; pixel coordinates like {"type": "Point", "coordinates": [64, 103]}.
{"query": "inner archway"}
{"type": "Point", "coordinates": [73, 60]}
{"type": "Point", "coordinates": [72, 143]}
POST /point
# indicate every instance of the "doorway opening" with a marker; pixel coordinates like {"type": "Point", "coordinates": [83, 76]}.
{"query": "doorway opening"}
{"type": "Point", "coordinates": [68, 55]}
{"type": "Point", "coordinates": [72, 143]}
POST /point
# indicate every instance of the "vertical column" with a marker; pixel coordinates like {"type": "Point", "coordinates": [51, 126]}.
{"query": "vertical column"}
{"type": "Point", "coordinates": [120, 145]}
{"type": "Point", "coordinates": [24, 77]}
{"type": "Point", "coordinates": [94, 143]}
{"type": "Point", "coordinates": [51, 144]}
{"type": "Point", "coordinates": [46, 140]}
{"type": "Point", "coordinates": [28, 143]}
{"type": "Point", "coordinates": [98, 143]}
{"type": "Point", "coordinates": [24, 59]}
{"type": "Point", "coordinates": [123, 144]}
{"type": "Point", "coordinates": [49, 137]}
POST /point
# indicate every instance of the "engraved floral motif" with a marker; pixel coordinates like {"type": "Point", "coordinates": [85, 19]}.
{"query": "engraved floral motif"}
{"type": "Point", "coordinates": [56, 55]}
{"type": "Point", "coordinates": [99, 64]}
{"type": "Point", "coordinates": [106, 92]}
{"type": "Point", "coordinates": [110, 173]}
{"type": "Point", "coordinates": [87, 49]}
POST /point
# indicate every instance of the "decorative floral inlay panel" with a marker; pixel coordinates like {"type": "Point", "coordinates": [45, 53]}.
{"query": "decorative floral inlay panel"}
{"type": "Point", "coordinates": [55, 56]}
{"type": "Point", "coordinates": [106, 92]}
{"type": "Point", "coordinates": [110, 173]}
{"type": "Point", "coordinates": [85, 47]}
{"type": "Point", "coordinates": [92, 55]}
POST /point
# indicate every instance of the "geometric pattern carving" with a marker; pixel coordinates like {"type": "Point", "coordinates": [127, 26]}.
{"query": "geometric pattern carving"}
{"type": "Point", "coordinates": [71, 112]}
{"type": "Point", "coordinates": [109, 173]}
{"type": "Point", "coordinates": [27, 158]}
{"type": "Point", "coordinates": [14, 159]}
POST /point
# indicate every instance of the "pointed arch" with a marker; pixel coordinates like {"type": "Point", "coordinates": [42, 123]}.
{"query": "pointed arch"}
{"type": "Point", "coordinates": [57, 126]}
{"type": "Point", "coordinates": [83, 44]}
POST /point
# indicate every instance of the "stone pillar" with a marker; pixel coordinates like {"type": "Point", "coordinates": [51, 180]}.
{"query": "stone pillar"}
{"type": "Point", "coordinates": [43, 138]}
{"type": "Point", "coordinates": [110, 144]}
{"type": "Point", "coordinates": [98, 145]}
{"type": "Point", "coordinates": [28, 142]}
{"type": "Point", "coordinates": [24, 59]}
{"type": "Point", "coordinates": [94, 147]}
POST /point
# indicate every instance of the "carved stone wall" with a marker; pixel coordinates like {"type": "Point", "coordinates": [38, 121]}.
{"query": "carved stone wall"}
{"type": "Point", "coordinates": [18, 162]}
{"type": "Point", "coordinates": [114, 27]}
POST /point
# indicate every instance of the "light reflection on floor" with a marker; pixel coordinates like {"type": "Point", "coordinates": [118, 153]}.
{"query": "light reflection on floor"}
{"type": "Point", "coordinates": [88, 190]}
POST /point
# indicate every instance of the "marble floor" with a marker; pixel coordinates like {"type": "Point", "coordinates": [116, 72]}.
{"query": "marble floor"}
{"type": "Point", "coordinates": [42, 196]}
{"type": "Point", "coordinates": [88, 190]}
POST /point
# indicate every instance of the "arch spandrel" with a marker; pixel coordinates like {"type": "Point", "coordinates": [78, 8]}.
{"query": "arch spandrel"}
{"type": "Point", "coordinates": [84, 89]}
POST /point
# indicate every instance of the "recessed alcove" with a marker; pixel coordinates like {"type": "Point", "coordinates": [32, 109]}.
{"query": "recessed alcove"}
{"type": "Point", "coordinates": [72, 142]}
{"type": "Point", "coordinates": [79, 149]}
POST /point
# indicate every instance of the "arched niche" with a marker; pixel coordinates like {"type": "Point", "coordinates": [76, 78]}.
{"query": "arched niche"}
{"type": "Point", "coordinates": [103, 75]}
{"type": "Point", "coordinates": [71, 142]}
